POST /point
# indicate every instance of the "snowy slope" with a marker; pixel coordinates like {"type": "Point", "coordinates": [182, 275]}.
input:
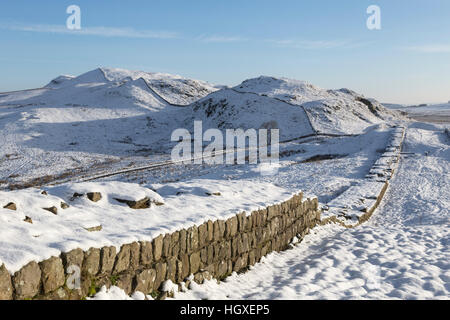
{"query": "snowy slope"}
{"type": "Point", "coordinates": [59, 81]}
{"type": "Point", "coordinates": [173, 88]}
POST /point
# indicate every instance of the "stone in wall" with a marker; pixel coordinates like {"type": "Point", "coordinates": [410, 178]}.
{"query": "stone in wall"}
{"type": "Point", "coordinates": [52, 274]}
{"type": "Point", "coordinates": [123, 259]}
{"type": "Point", "coordinates": [27, 281]}
{"type": "Point", "coordinates": [107, 259]}
{"type": "Point", "coordinates": [161, 271]}
{"type": "Point", "coordinates": [6, 288]}
{"type": "Point", "coordinates": [146, 253]}
{"type": "Point", "coordinates": [145, 281]}
{"type": "Point", "coordinates": [91, 262]}
{"type": "Point", "coordinates": [74, 257]}
{"type": "Point", "coordinates": [125, 282]}
{"type": "Point", "coordinates": [157, 247]}
{"type": "Point", "coordinates": [135, 253]}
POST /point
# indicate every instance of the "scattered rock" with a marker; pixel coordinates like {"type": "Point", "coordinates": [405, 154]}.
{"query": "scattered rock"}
{"type": "Point", "coordinates": [64, 205]}
{"type": "Point", "coordinates": [94, 196]}
{"type": "Point", "coordinates": [28, 219]}
{"type": "Point", "coordinates": [11, 206]}
{"type": "Point", "coordinates": [53, 210]}
{"type": "Point", "coordinates": [94, 229]}
{"type": "Point", "coordinates": [140, 204]}
{"type": "Point", "coordinates": [76, 195]}
{"type": "Point", "coordinates": [213, 193]}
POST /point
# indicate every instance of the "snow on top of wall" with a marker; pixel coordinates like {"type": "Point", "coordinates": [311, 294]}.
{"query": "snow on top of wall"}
{"type": "Point", "coordinates": [185, 204]}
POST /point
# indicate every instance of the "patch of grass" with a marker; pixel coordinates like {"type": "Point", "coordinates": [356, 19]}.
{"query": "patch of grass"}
{"type": "Point", "coordinates": [114, 279]}
{"type": "Point", "coordinates": [155, 294]}
{"type": "Point", "coordinates": [92, 289]}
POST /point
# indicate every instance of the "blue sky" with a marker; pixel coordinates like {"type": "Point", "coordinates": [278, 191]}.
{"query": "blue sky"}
{"type": "Point", "coordinates": [324, 42]}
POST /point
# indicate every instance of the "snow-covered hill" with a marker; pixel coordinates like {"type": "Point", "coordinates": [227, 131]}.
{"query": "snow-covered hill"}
{"type": "Point", "coordinates": [173, 89]}
{"type": "Point", "coordinates": [230, 109]}
{"type": "Point", "coordinates": [340, 111]}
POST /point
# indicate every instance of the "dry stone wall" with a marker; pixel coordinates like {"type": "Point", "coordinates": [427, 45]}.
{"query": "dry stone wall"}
{"type": "Point", "coordinates": [357, 204]}
{"type": "Point", "coordinates": [212, 250]}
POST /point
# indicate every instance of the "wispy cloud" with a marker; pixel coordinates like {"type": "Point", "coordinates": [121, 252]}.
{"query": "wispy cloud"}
{"type": "Point", "coordinates": [430, 48]}
{"type": "Point", "coordinates": [221, 38]}
{"type": "Point", "coordinates": [101, 31]}
{"type": "Point", "coordinates": [93, 31]}
{"type": "Point", "coordinates": [312, 44]}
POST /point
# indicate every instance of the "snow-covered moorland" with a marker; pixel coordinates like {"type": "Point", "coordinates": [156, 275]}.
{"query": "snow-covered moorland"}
{"type": "Point", "coordinates": [110, 119]}
{"type": "Point", "coordinates": [105, 124]}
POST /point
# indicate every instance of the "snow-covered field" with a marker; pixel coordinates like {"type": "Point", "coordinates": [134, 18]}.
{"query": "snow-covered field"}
{"type": "Point", "coordinates": [435, 113]}
{"type": "Point", "coordinates": [110, 120]}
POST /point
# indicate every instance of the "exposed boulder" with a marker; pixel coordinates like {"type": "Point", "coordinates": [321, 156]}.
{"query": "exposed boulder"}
{"type": "Point", "coordinates": [144, 203]}
{"type": "Point", "coordinates": [64, 205]}
{"type": "Point", "coordinates": [94, 196]}
{"type": "Point", "coordinates": [94, 229]}
{"type": "Point", "coordinates": [11, 206]}
{"type": "Point", "coordinates": [213, 193]}
{"type": "Point", "coordinates": [53, 210]}
{"type": "Point", "coordinates": [28, 219]}
{"type": "Point", "coordinates": [76, 195]}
